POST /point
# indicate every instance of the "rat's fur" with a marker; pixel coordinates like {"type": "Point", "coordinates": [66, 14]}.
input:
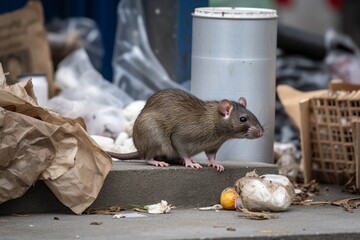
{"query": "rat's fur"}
{"type": "Point", "coordinates": [175, 125]}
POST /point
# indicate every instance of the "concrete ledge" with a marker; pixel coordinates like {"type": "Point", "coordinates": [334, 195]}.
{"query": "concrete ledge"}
{"type": "Point", "coordinates": [135, 183]}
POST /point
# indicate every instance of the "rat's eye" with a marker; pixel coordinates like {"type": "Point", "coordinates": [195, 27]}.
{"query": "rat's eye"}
{"type": "Point", "coordinates": [243, 119]}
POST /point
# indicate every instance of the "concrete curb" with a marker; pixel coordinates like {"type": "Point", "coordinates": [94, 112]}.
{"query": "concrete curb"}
{"type": "Point", "coordinates": [135, 183]}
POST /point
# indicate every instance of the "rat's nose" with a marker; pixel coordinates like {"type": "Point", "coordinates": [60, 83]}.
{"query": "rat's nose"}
{"type": "Point", "coordinates": [261, 133]}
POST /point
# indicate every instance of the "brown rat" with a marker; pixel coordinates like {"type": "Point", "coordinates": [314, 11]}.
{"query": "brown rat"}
{"type": "Point", "coordinates": [175, 125]}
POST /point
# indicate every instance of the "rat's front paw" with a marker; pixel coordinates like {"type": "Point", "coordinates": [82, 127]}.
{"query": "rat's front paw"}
{"type": "Point", "coordinates": [189, 163]}
{"type": "Point", "coordinates": [157, 163]}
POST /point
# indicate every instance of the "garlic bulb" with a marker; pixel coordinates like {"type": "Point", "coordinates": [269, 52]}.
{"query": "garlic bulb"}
{"type": "Point", "coordinates": [269, 192]}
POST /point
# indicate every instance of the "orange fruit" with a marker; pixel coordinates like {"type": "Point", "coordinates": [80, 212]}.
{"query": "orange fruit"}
{"type": "Point", "coordinates": [228, 198]}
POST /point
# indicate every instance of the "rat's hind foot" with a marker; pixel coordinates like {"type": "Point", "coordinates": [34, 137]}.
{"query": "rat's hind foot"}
{"type": "Point", "coordinates": [189, 163]}
{"type": "Point", "coordinates": [219, 168]}
{"type": "Point", "coordinates": [213, 163]}
{"type": "Point", "coordinates": [157, 163]}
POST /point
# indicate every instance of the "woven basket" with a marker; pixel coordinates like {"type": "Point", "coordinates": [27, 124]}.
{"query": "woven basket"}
{"type": "Point", "coordinates": [329, 125]}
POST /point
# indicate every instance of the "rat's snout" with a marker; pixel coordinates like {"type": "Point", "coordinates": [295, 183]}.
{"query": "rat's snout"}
{"type": "Point", "coordinates": [256, 132]}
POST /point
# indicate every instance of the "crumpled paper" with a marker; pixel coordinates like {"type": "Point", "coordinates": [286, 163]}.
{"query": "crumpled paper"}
{"type": "Point", "coordinates": [158, 208]}
{"type": "Point", "coordinates": [39, 144]}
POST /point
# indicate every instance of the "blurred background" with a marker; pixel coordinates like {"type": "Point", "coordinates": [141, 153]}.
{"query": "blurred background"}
{"type": "Point", "coordinates": [145, 45]}
{"type": "Point", "coordinates": [169, 23]}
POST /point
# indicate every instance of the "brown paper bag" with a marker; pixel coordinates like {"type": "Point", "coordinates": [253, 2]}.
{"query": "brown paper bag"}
{"type": "Point", "coordinates": [291, 98]}
{"type": "Point", "coordinates": [21, 165]}
{"type": "Point", "coordinates": [24, 47]}
{"type": "Point", "coordinates": [36, 143]}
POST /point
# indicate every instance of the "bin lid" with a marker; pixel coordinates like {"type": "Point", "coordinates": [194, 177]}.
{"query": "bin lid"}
{"type": "Point", "coordinates": [235, 13]}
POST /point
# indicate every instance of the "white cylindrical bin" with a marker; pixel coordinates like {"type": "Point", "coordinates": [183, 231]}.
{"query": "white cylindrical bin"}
{"type": "Point", "coordinates": [233, 55]}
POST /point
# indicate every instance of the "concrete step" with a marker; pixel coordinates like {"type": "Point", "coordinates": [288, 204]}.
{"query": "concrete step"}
{"type": "Point", "coordinates": [135, 183]}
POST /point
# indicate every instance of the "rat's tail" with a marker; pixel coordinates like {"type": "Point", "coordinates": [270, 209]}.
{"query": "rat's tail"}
{"type": "Point", "coordinates": [124, 156]}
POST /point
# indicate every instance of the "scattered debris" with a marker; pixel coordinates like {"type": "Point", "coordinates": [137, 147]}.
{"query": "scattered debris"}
{"type": "Point", "coordinates": [56, 218]}
{"type": "Point", "coordinates": [106, 211]}
{"type": "Point", "coordinates": [310, 202]}
{"type": "Point", "coordinates": [307, 190]}
{"type": "Point", "coordinates": [158, 208]}
{"type": "Point", "coordinates": [312, 188]}
{"type": "Point", "coordinates": [349, 204]}
{"type": "Point", "coordinates": [231, 229]}
{"type": "Point", "coordinates": [257, 215]}
{"type": "Point", "coordinates": [96, 223]}
{"type": "Point", "coordinates": [128, 215]}
{"type": "Point", "coordinates": [350, 186]}
{"type": "Point", "coordinates": [285, 159]}
{"type": "Point", "coordinates": [20, 215]}
{"type": "Point", "coordinates": [226, 227]}
{"type": "Point", "coordinates": [162, 207]}
{"type": "Point", "coordinates": [215, 207]}
{"type": "Point", "coordinates": [140, 209]}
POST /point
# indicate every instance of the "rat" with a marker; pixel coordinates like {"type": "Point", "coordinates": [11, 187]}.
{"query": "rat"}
{"type": "Point", "coordinates": [174, 125]}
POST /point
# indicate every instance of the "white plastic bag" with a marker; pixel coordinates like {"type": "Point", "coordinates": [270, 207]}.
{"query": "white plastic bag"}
{"type": "Point", "coordinates": [136, 69]}
{"type": "Point", "coordinates": [85, 93]}
{"type": "Point", "coordinates": [343, 57]}
{"type": "Point", "coordinates": [88, 32]}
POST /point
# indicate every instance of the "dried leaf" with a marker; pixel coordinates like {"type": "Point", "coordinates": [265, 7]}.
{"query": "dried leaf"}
{"type": "Point", "coordinates": [310, 202]}
{"type": "Point", "coordinates": [96, 223]}
{"type": "Point", "coordinates": [257, 215]}
{"type": "Point", "coordinates": [349, 204]}
{"type": "Point", "coordinates": [106, 211]}
{"type": "Point", "coordinates": [350, 186]}
{"type": "Point", "coordinates": [307, 190]}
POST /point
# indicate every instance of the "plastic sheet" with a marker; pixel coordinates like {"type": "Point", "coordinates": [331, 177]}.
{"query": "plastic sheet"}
{"type": "Point", "coordinates": [135, 67]}
{"type": "Point", "coordinates": [303, 74]}
{"type": "Point", "coordinates": [88, 95]}
{"type": "Point", "coordinates": [343, 57]}
{"type": "Point", "coordinates": [89, 34]}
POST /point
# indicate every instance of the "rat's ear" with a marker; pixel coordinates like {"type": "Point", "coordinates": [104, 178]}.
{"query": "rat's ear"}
{"type": "Point", "coordinates": [242, 101]}
{"type": "Point", "coordinates": [225, 108]}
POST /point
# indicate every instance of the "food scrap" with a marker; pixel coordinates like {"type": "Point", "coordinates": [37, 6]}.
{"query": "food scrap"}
{"type": "Point", "coordinates": [268, 192]}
